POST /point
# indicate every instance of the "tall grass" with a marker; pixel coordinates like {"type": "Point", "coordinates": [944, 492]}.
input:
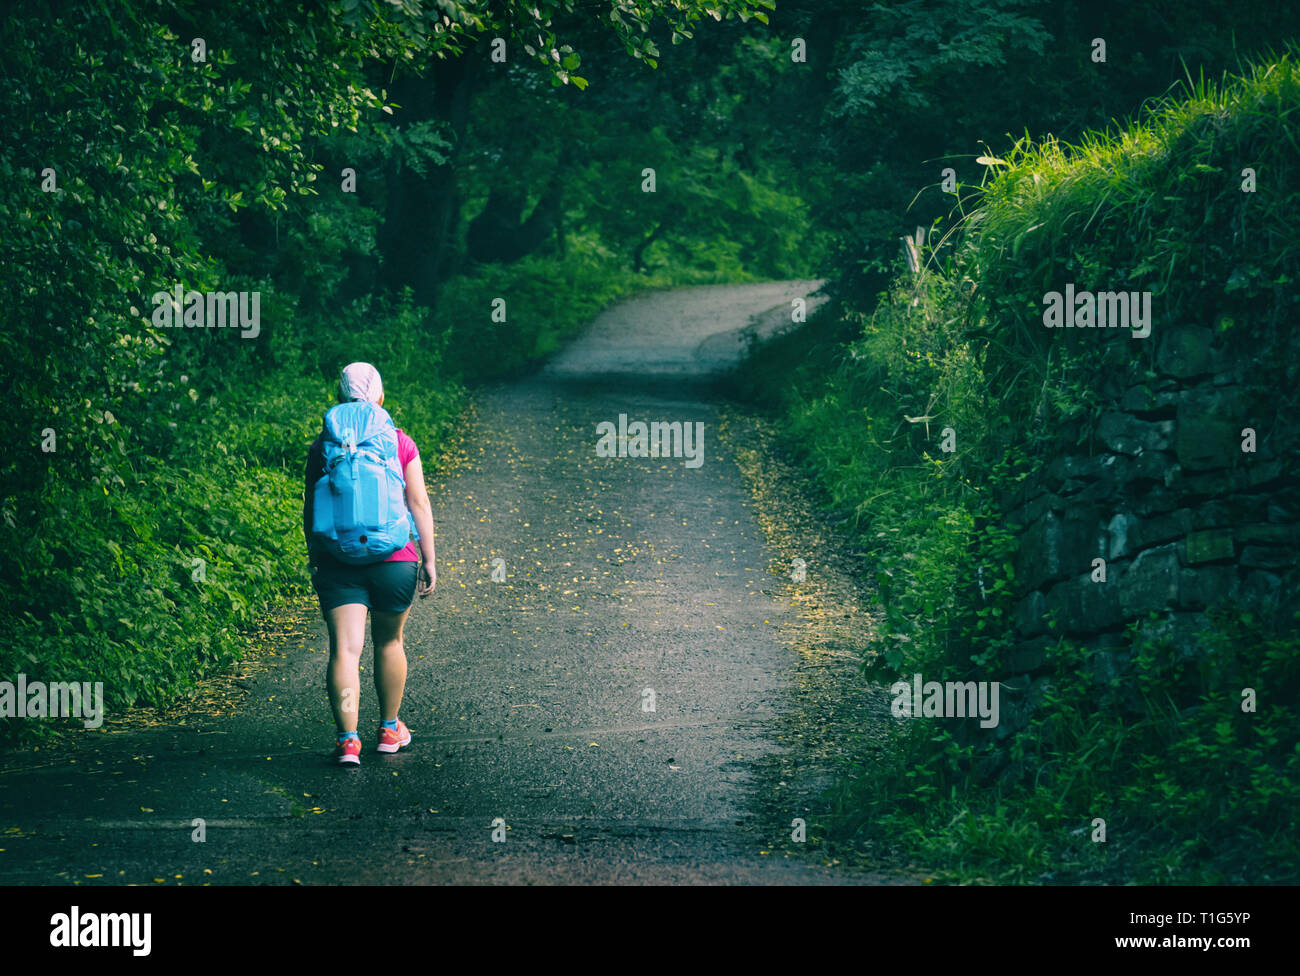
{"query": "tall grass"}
{"type": "Point", "coordinates": [1190, 790]}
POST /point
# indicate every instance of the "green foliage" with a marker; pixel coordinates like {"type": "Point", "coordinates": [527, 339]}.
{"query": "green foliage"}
{"type": "Point", "coordinates": [1201, 792]}
{"type": "Point", "coordinates": [710, 211]}
{"type": "Point", "coordinates": [1156, 206]}
{"type": "Point", "coordinates": [895, 93]}
{"type": "Point", "coordinates": [914, 40]}
{"type": "Point", "coordinates": [223, 174]}
{"type": "Point", "coordinates": [155, 160]}
{"type": "Point", "coordinates": [447, 28]}
{"type": "Point", "coordinates": [1191, 787]}
{"type": "Point", "coordinates": [123, 599]}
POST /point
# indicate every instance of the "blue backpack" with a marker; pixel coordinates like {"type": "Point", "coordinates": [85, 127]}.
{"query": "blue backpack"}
{"type": "Point", "coordinates": [359, 512]}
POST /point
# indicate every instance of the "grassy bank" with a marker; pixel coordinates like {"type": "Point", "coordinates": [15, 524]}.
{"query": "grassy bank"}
{"type": "Point", "coordinates": [1190, 792]}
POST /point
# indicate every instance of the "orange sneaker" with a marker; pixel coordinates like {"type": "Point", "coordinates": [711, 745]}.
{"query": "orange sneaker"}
{"type": "Point", "coordinates": [348, 752]}
{"type": "Point", "coordinates": [391, 740]}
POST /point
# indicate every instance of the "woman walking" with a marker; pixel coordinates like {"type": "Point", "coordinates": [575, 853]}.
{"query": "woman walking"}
{"type": "Point", "coordinates": [364, 500]}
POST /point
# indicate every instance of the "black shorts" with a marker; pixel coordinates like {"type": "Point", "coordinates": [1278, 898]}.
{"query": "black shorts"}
{"type": "Point", "coordinates": [388, 587]}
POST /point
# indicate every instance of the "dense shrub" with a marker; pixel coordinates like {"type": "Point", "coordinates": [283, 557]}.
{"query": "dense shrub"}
{"type": "Point", "coordinates": [1191, 791]}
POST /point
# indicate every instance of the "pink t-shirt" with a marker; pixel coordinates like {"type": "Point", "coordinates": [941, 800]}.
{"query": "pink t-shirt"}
{"type": "Point", "coordinates": [406, 453]}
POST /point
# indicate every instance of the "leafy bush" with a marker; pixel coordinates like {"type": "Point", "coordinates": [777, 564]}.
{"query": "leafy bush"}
{"type": "Point", "coordinates": [1191, 789]}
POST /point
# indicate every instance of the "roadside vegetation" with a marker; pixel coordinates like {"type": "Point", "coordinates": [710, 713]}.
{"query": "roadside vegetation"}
{"type": "Point", "coordinates": [1191, 792]}
{"type": "Point", "coordinates": [385, 187]}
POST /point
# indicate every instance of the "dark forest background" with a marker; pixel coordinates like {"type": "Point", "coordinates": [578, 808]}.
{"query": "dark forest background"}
{"type": "Point", "coordinates": [150, 501]}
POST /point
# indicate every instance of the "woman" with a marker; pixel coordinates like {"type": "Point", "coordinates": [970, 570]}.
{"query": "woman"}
{"type": "Point", "coordinates": [385, 589]}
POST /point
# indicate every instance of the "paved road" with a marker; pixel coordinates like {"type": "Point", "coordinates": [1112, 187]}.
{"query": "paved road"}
{"type": "Point", "coordinates": [528, 698]}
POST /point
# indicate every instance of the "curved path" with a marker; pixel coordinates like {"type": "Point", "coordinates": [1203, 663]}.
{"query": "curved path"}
{"type": "Point", "coordinates": [627, 582]}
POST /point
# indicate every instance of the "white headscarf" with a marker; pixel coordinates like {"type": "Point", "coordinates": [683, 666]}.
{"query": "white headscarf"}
{"type": "Point", "coordinates": [360, 381]}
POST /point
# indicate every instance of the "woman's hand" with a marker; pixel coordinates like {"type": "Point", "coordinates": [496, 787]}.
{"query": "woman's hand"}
{"type": "Point", "coordinates": [426, 579]}
{"type": "Point", "coordinates": [417, 500]}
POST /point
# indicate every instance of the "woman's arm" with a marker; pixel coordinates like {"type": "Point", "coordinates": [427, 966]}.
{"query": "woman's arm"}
{"type": "Point", "coordinates": [417, 500]}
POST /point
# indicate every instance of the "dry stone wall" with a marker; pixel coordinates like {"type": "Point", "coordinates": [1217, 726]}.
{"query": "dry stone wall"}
{"type": "Point", "coordinates": [1187, 496]}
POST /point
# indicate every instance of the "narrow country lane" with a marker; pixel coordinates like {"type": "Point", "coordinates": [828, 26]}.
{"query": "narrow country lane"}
{"type": "Point", "coordinates": [628, 583]}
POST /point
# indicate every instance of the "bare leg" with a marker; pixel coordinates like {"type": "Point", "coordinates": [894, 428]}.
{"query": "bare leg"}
{"type": "Point", "coordinates": [347, 629]}
{"type": "Point", "coordinates": [390, 660]}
